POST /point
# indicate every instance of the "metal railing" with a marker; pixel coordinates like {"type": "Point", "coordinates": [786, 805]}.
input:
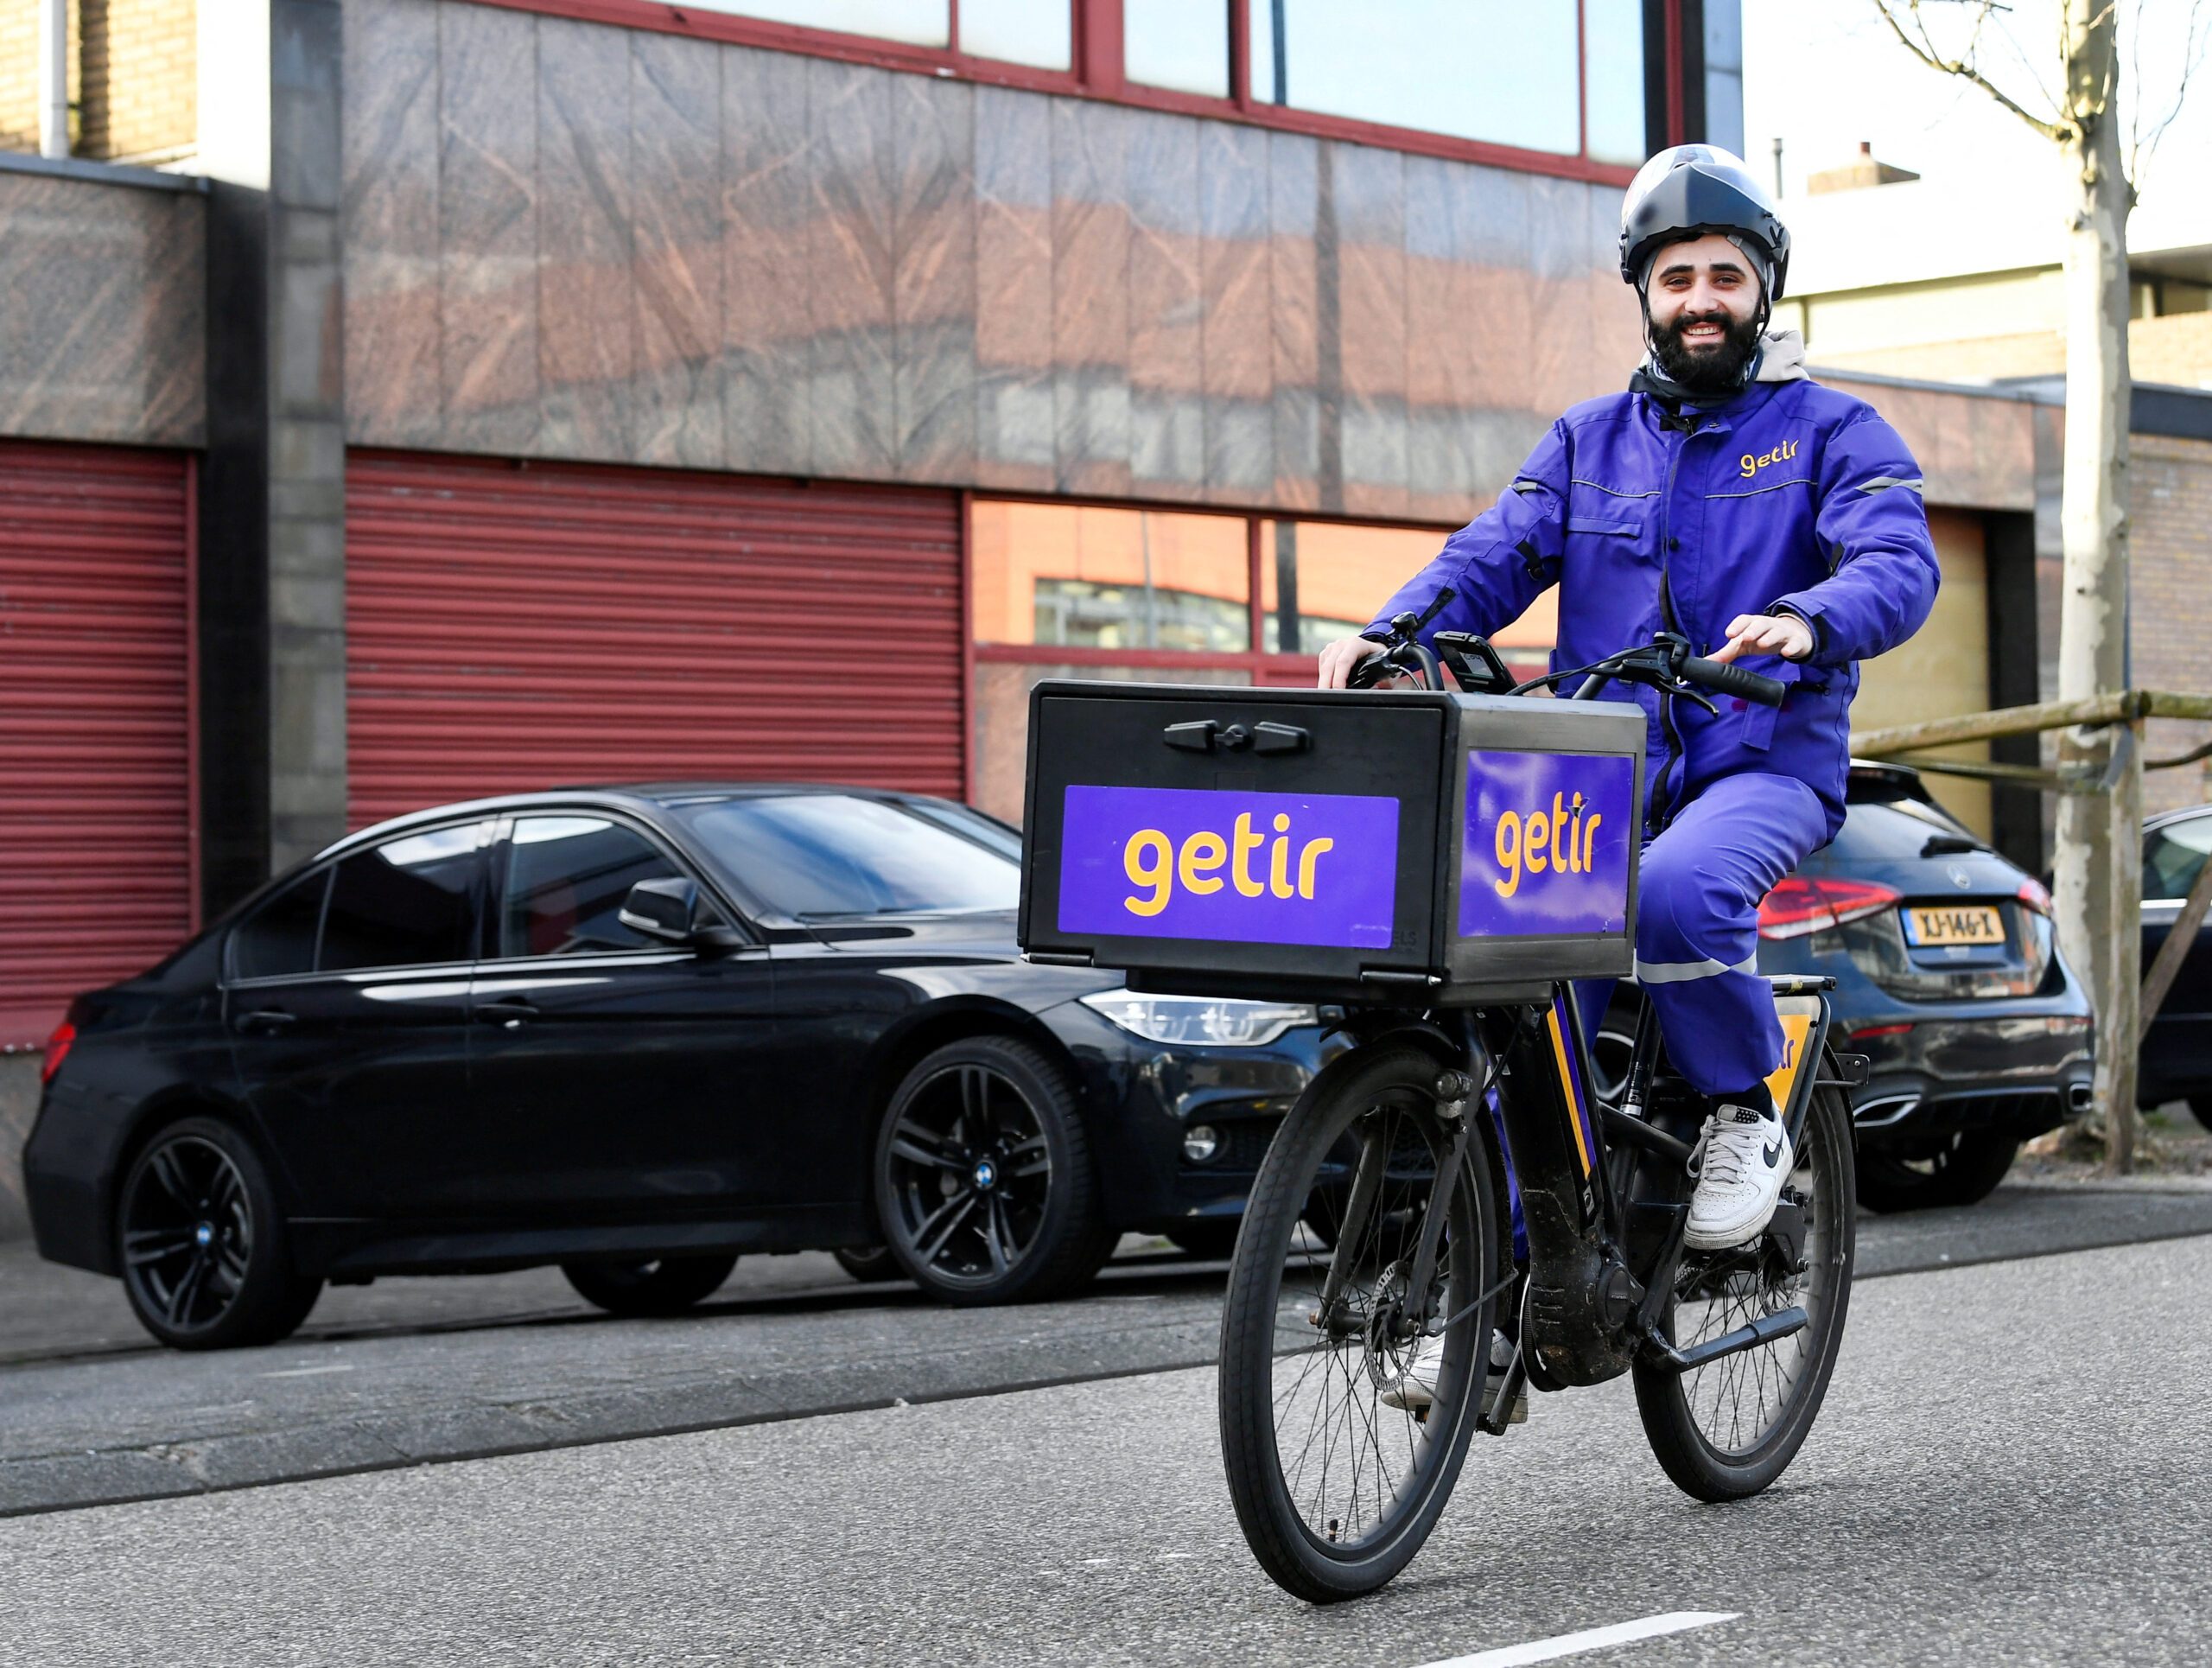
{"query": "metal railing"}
{"type": "Point", "coordinates": [2114, 726]}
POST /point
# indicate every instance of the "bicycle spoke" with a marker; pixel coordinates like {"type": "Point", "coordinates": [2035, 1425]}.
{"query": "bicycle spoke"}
{"type": "Point", "coordinates": [1739, 1402]}
{"type": "Point", "coordinates": [1347, 1466]}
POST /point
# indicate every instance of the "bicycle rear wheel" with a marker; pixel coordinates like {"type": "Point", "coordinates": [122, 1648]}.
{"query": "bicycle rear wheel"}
{"type": "Point", "coordinates": [1335, 1485]}
{"type": "Point", "coordinates": [1728, 1430]}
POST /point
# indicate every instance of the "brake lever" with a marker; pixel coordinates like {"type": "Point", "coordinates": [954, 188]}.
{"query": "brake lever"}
{"type": "Point", "coordinates": [1673, 649]}
{"type": "Point", "coordinates": [1687, 691]}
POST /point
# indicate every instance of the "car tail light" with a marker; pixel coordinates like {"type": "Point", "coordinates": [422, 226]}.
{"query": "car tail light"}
{"type": "Point", "coordinates": [2035, 895]}
{"type": "Point", "coordinates": [1800, 905]}
{"type": "Point", "coordinates": [57, 1050]}
{"type": "Point", "coordinates": [1872, 1031]}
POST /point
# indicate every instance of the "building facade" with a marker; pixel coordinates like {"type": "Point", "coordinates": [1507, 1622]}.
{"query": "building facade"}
{"type": "Point", "coordinates": [489, 396]}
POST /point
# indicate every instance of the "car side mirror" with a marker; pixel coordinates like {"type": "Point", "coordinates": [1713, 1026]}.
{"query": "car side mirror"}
{"type": "Point", "coordinates": [666, 909]}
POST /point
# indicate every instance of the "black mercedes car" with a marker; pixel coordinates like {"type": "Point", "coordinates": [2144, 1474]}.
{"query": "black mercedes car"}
{"type": "Point", "coordinates": [637, 1032]}
{"type": "Point", "coordinates": [1948, 979]}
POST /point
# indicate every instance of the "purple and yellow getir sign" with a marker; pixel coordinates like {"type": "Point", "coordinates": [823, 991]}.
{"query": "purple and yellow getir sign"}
{"type": "Point", "coordinates": [1547, 844]}
{"type": "Point", "coordinates": [1228, 866]}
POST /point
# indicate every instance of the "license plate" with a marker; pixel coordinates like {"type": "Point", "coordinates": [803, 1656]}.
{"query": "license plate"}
{"type": "Point", "coordinates": [1957, 924]}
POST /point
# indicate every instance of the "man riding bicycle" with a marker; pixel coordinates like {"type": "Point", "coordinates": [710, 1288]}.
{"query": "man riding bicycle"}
{"type": "Point", "coordinates": [1772, 522]}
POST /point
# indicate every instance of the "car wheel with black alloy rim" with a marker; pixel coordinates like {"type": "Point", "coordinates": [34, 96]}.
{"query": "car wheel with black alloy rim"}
{"type": "Point", "coordinates": [200, 1242]}
{"type": "Point", "coordinates": [983, 1177]}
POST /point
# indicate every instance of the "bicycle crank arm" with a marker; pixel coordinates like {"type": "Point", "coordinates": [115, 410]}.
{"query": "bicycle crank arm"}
{"type": "Point", "coordinates": [1764, 1330]}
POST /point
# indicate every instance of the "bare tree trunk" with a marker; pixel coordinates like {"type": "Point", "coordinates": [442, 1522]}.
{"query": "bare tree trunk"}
{"type": "Point", "coordinates": [2099, 866]}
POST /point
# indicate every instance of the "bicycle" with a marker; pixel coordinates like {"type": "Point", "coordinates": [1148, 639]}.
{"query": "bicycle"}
{"type": "Point", "coordinates": [1375, 1250]}
{"type": "Point", "coordinates": [1374, 1286]}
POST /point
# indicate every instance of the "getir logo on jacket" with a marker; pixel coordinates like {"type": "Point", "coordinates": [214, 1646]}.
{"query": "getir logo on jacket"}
{"type": "Point", "coordinates": [1546, 848]}
{"type": "Point", "coordinates": [1242, 868]}
{"type": "Point", "coordinates": [1751, 463]}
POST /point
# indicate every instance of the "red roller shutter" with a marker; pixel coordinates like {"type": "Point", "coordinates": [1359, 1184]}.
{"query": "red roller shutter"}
{"type": "Point", "coordinates": [95, 749]}
{"type": "Point", "coordinates": [515, 627]}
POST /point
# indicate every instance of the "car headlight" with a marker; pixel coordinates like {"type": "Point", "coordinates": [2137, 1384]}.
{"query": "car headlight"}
{"type": "Point", "coordinates": [1216, 1021]}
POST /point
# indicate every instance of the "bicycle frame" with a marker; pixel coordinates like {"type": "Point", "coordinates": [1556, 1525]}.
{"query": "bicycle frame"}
{"type": "Point", "coordinates": [1603, 1189]}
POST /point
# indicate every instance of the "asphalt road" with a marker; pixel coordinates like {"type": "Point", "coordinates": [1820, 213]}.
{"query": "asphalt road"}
{"type": "Point", "coordinates": [408, 1372]}
{"type": "Point", "coordinates": [2014, 1465]}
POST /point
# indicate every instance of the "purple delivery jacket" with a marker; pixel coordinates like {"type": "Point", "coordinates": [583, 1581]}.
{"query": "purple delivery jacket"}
{"type": "Point", "coordinates": [1790, 497]}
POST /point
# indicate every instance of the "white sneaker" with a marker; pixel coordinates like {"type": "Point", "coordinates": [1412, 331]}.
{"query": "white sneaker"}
{"type": "Point", "coordinates": [1416, 1391]}
{"type": "Point", "coordinates": [1740, 1163]}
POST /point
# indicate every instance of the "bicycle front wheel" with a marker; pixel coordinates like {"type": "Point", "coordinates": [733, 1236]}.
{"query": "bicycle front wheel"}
{"type": "Point", "coordinates": [1346, 1399]}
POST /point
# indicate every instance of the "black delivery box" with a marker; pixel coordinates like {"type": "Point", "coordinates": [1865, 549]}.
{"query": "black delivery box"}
{"type": "Point", "coordinates": [1330, 844]}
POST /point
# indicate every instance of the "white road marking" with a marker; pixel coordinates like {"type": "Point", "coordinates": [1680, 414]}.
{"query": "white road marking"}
{"type": "Point", "coordinates": [1593, 1639]}
{"type": "Point", "coordinates": [306, 1372]}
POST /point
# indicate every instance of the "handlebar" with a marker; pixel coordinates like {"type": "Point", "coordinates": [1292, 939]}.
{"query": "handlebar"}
{"type": "Point", "coordinates": [1404, 650]}
{"type": "Point", "coordinates": [1665, 664]}
{"type": "Point", "coordinates": [1732, 680]}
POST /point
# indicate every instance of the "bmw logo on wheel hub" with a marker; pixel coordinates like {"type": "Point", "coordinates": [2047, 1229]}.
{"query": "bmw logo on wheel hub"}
{"type": "Point", "coordinates": [987, 1173]}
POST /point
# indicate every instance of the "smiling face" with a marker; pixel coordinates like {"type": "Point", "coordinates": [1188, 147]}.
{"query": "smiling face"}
{"type": "Point", "coordinates": [1704, 298]}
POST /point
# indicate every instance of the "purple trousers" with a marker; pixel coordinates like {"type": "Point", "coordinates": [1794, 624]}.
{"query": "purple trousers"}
{"type": "Point", "coordinates": [1698, 895]}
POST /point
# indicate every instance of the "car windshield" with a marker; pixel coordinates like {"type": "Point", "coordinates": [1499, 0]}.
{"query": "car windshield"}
{"type": "Point", "coordinates": [2173, 855]}
{"type": "Point", "coordinates": [818, 856]}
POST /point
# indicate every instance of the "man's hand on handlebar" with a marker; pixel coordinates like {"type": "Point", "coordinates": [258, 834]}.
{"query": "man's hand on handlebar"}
{"type": "Point", "coordinates": [1340, 658]}
{"type": "Point", "coordinates": [1785, 635]}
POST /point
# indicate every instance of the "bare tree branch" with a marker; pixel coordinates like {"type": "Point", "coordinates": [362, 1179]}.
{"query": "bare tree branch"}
{"type": "Point", "coordinates": [2141, 145]}
{"type": "Point", "coordinates": [1925, 50]}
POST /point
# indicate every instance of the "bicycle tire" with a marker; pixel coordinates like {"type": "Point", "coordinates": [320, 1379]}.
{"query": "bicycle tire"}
{"type": "Point", "coordinates": [1320, 1565]}
{"type": "Point", "coordinates": [1696, 1462]}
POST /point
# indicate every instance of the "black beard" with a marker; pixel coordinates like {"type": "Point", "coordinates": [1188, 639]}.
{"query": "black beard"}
{"type": "Point", "coordinates": [1717, 370]}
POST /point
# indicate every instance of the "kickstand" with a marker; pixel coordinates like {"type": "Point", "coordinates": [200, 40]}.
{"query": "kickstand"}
{"type": "Point", "coordinates": [1500, 1416]}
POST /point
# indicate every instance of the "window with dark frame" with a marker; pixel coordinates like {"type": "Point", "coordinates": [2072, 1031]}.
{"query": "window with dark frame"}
{"type": "Point", "coordinates": [567, 877]}
{"type": "Point", "coordinates": [277, 941]}
{"type": "Point", "coordinates": [1054, 582]}
{"type": "Point", "coordinates": [1561, 87]}
{"type": "Point", "coordinates": [409, 903]}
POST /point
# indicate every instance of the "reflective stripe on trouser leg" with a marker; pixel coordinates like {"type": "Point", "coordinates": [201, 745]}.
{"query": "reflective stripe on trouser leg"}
{"type": "Point", "coordinates": [1697, 924]}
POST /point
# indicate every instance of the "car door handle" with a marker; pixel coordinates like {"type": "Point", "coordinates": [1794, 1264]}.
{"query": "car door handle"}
{"type": "Point", "coordinates": [510, 1011]}
{"type": "Point", "coordinates": [266, 1019]}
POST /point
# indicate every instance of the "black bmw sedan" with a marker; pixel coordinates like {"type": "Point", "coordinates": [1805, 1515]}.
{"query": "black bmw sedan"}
{"type": "Point", "coordinates": [638, 1032]}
